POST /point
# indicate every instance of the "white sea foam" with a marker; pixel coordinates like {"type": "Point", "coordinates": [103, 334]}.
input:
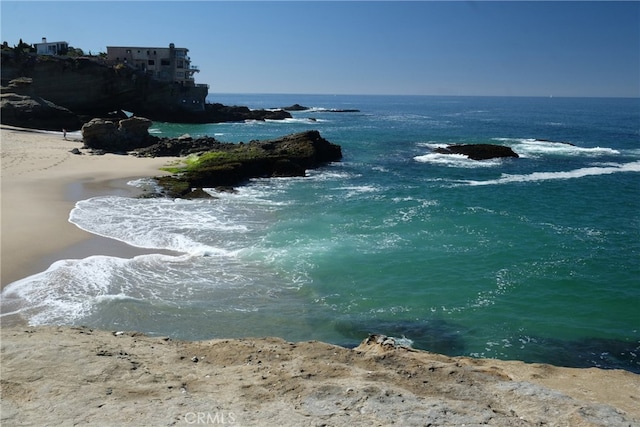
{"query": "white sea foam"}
{"type": "Point", "coordinates": [72, 290]}
{"type": "Point", "coordinates": [146, 184]}
{"type": "Point", "coordinates": [456, 161]}
{"type": "Point", "coordinates": [576, 173]}
{"type": "Point", "coordinates": [323, 110]}
{"type": "Point", "coordinates": [355, 190]}
{"type": "Point", "coordinates": [528, 147]}
{"type": "Point", "coordinates": [66, 291]}
{"type": "Point", "coordinates": [452, 160]}
{"type": "Point", "coordinates": [198, 227]}
{"type": "Point", "coordinates": [293, 120]}
{"type": "Point", "coordinates": [330, 174]}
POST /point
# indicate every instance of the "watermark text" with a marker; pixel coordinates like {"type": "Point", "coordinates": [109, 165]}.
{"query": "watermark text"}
{"type": "Point", "coordinates": [215, 418]}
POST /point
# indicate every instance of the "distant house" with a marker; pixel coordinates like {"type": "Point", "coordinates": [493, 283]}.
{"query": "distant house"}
{"type": "Point", "coordinates": [51, 48]}
{"type": "Point", "coordinates": [165, 64]}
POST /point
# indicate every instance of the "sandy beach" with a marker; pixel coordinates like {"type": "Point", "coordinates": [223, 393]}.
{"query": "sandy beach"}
{"type": "Point", "coordinates": [41, 181]}
{"type": "Point", "coordinates": [69, 376]}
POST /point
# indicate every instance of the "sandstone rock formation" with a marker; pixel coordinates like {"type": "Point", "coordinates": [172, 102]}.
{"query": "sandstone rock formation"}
{"type": "Point", "coordinates": [55, 376]}
{"type": "Point", "coordinates": [35, 112]}
{"type": "Point", "coordinates": [127, 135]}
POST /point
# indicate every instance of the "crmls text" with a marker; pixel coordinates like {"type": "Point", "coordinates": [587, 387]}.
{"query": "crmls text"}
{"type": "Point", "coordinates": [220, 418]}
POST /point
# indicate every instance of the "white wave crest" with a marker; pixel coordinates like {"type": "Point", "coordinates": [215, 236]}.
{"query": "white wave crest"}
{"type": "Point", "coordinates": [456, 161]}
{"type": "Point", "coordinates": [576, 173]}
{"type": "Point", "coordinates": [528, 147]}
{"type": "Point", "coordinates": [175, 225]}
{"type": "Point", "coordinates": [66, 291]}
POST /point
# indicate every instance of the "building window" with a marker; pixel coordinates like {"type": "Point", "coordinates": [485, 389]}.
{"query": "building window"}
{"type": "Point", "coordinates": [151, 62]}
{"type": "Point", "coordinates": [180, 64]}
{"type": "Point", "coordinates": [165, 62]}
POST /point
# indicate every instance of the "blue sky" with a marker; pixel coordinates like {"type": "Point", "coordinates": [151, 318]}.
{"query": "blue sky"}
{"type": "Point", "coordinates": [333, 47]}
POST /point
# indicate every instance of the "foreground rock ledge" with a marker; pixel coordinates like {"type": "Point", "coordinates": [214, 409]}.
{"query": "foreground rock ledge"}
{"type": "Point", "coordinates": [56, 376]}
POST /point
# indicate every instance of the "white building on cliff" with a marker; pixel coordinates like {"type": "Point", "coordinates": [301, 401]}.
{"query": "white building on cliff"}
{"type": "Point", "coordinates": [51, 48]}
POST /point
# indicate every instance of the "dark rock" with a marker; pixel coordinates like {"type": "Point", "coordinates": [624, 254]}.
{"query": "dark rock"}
{"type": "Point", "coordinates": [75, 151]}
{"type": "Point", "coordinates": [217, 113]}
{"type": "Point", "coordinates": [128, 135]}
{"type": "Point", "coordinates": [295, 107]}
{"type": "Point", "coordinates": [99, 132]}
{"type": "Point", "coordinates": [182, 146]}
{"type": "Point", "coordinates": [198, 193]}
{"type": "Point", "coordinates": [35, 113]}
{"type": "Point", "coordinates": [478, 151]}
{"type": "Point", "coordinates": [135, 127]}
{"type": "Point", "coordinates": [232, 164]}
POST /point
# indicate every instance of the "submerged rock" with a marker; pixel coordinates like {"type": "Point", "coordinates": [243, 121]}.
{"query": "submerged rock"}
{"type": "Point", "coordinates": [478, 151]}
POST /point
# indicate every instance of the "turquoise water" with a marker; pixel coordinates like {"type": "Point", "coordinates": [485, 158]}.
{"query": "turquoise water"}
{"type": "Point", "coordinates": [535, 258]}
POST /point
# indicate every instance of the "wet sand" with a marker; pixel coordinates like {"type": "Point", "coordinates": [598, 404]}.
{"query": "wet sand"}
{"type": "Point", "coordinates": [41, 180]}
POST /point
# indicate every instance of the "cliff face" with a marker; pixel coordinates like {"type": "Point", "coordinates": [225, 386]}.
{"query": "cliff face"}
{"type": "Point", "coordinates": [91, 88]}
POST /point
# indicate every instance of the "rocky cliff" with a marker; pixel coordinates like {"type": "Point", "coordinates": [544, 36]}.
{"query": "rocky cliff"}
{"type": "Point", "coordinates": [91, 88]}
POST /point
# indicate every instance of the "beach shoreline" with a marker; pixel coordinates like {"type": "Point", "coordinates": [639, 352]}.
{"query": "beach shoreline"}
{"type": "Point", "coordinates": [41, 182]}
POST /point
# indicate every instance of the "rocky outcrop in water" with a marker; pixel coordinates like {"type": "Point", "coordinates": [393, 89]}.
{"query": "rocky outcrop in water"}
{"type": "Point", "coordinates": [217, 164]}
{"type": "Point", "coordinates": [218, 113]}
{"type": "Point", "coordinates": [478, 151]}
{"type": "Point", "coordinates": [228, 165]}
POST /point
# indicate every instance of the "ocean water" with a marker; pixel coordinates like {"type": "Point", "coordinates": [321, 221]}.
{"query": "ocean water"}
{"type": "Point", "coordinates": [535, 258]}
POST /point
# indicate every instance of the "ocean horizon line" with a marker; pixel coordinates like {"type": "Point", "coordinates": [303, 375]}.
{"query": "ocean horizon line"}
{"type": "Point", "coordinates": [424, 95]}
